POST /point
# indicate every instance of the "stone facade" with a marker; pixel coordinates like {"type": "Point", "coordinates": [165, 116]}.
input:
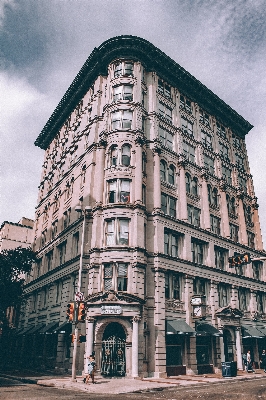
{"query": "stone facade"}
{"type": "Point", "coordinates": [146, 187]}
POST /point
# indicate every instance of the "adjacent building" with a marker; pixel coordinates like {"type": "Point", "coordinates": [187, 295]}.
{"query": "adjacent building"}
{"type": "Point", "coordinates": [146, 186]}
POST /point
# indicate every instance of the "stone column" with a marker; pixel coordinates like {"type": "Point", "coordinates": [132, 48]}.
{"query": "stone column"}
{"type": "Point", "coordinates": [157, 178]}
{"type": "Point", "coordinates": [138, 170]}
{"type": "Point", "coordinates": [222, 345]}
{"type": "Point", "coordinates": [238, 350]}
{"type": "Point", "coordinates": [89, 341]}
{"type": "Point", "coordinates": [205, 211]}
{"type": "Point", "coordinates": [257, 229]}
{"type": "Point", "coordinates": [214, 301]}
{"type": "Point", "coordinates": [99, 174]}
{"type": "Point", "coordinates": [182, 195]}
{"type": "Point", "coordinates": [243, 237]}
{"type": "Point", "coordinates": [191, 348]}
{"type": "Point", "coordinates": [225, 229]}
{"type": "Point", "coordinates": [135, 347]}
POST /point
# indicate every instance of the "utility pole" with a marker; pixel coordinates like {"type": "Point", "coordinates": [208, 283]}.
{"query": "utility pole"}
{"type": "Point", "coordinates": [78, 292]}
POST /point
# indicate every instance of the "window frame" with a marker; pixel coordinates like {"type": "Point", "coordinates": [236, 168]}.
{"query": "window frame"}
{"type": "Point", "coordinates": [117, 234]}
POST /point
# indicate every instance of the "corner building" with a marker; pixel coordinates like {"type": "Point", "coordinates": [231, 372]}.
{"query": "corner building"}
{"type": "Point", "coordinates": [145, 182]}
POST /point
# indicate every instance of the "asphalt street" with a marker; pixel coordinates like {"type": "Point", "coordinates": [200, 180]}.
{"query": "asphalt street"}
{"type": "Point", "coordinates": [254, 389]}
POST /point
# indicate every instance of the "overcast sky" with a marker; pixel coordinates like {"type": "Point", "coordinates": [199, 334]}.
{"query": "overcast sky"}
{"type": "Point", "coordinates": [44, 43]}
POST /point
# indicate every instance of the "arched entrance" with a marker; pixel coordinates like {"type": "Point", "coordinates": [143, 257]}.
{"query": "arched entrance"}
{"type": "Point", "coordinates": [228, 346]}
{"type": "Point", "coordinates": [113, 361]}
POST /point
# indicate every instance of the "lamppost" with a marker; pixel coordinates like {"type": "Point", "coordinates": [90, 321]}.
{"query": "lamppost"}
{"type": "Point", "coordinates": [79, 209]}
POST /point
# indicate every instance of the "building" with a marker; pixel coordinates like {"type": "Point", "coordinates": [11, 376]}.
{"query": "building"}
{"type": "Point", "coordinates": [146, 186]}
{"type": "Point", "coordinates": [13, 235]}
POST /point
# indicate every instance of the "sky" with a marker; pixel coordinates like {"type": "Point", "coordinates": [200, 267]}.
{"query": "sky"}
{"type": "Point", "coordinates": [44, 43]}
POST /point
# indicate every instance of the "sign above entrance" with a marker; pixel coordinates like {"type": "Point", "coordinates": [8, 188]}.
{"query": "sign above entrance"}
{"type": "Point", "coordinates": [111, 310]}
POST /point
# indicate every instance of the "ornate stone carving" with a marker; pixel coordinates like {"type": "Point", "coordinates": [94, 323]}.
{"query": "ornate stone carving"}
{"type": "Point", "coordinates": [136, 318]}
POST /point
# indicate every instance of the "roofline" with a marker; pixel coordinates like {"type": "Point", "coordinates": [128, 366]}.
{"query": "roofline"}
{"type": "Point", "coordinates": [15, 224]}
{"type": "Point", "coordinates": [153, 59]}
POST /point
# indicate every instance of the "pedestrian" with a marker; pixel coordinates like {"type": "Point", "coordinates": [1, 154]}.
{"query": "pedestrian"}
{"type": "Point", "coordinates": [263, 360]}
{"type": "Point", "coordinates": [91, 369]}
{"type": "Point", "coordinates": [249, 362]}
{"type": "Point", "coordinates": [244, 359]}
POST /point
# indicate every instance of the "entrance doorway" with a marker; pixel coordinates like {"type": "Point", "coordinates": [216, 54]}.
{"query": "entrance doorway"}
{"type": "Point", "coordinates": [113, 350]}
{"type": "Point", "coordinates": [228, 346]}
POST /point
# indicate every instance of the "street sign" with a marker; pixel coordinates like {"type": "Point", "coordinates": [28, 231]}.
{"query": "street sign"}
{"type": "Point", "coordinates": [79, 296]}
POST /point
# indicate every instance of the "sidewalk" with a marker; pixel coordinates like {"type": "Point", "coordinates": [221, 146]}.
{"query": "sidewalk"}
{"type": "Point", "coordinates": [125, 385]}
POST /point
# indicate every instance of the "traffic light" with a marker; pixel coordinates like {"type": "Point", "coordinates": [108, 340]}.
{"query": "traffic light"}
{"type": "Point", "coordinates": [239, 259]}
{"type": "Point", "coordinates": [70, 311]}
{"type": "Point", "coordinates": [81, 312]}
{"type": "Point", "coordinates": [82, 338]}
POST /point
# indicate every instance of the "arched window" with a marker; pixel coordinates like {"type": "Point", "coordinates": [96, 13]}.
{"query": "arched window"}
{"type": "Point", "coordinates": [126, 155]}
{"type": "Point", "coordinates": [194, 186]}
{"type": "Point", "coordinates": [114, 155]}
{"type": "Point", "coordinates": [163, 170]}
{"type": "Point", "coordinates": [188, 182]}
{"type": "Point", "coordinates": [171, 175]}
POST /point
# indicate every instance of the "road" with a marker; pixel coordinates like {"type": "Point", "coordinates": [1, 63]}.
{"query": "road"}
{"type": "Point", "coordinates": [253, 389]}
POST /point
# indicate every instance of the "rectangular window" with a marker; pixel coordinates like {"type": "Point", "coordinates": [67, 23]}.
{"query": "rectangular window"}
{"type": "Point", "coordinates": [243, 184]}
{"type": "Point", "coordinates": [234, 232]}
{"type": "Point", "coordinates": [197, 251]}
{"type": "Point", "coordinates": [54, 229]}
{"type": "Point", "coordinates": [49, 260]}
{"type": "Point", "coordinates": [204, 118]}
{"type": "Point", "coordinates": [257, 269]}
{"type": "Point", "coordinates": [121, 119]}
{"type": "Point", "coordinates": [239, 161]}
{"type": "Point", "coordinates": [206, 140]}
{"type": "Point", "coordinates": [117, 232]}
{"type": "Point", "coordinates": [193, 215]}
{"type": "Point", "coordinates": [226, 173]}
{"type": "Point", "coordinates": [164, 89]}
{"type": "Point", "coordinates": [172, 286]}
{"type": "Point", "coordinates": [166, 138]}
{"type": "Point", "coordinates": [260, 302]}
{"type": "Point", "coordinates": [165, 112]}
{"type": "Point", "coordinates": [123, 92]}
{"type": "Point", "coordinates": [61, 249]}
{"type": "Point", "coordinates": [243, 300]}
{"type": "Point", "coordinates": [115, 277]}
{"type": "Point", "coordinates": [186, 126]}
{"type": "Point", "coordinates": [220, 258]}
{"type": "Point", "coordinates": [224, 152]}
{"type": "Point", "coordinates": [122, 277]}
{"type": "Point", "coordinates": [119, 191]}
{"type": "Point", "coordinates": [215, 224]}
{"type": "Point", "coordinates": [171, 243]}
{"type": "Point", "coordinates": [123, 69]}
{"type": "Point", "coordinates": [237, 142]}
{"type": "Point", "coordinates": [209, 164]}
{"type": "Point", "coordinates": [185, 104]}
{"type": "Point", "coordinates": [189, 152]}
{"type": "Point", "coordinates": [168, 205]}
{"type": "Point", "coordinates": [221, 130]}
{"type": "Point", "coordinates": [251, 239]}
{"type": "Point", "coordinates": [43, 237]}
{"type": "Point", "coordinates": [199, 286]}
{"type": "Point", "coordinates": [223, 295]}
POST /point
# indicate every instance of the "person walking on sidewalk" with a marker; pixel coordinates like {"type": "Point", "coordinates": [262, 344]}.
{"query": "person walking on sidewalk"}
{"type": "Point", "coordinates": [91, 369]}
{"type": "Point", "coordinates": [249, 362]}
{"type": "Point", "coordinates": [263, 360]}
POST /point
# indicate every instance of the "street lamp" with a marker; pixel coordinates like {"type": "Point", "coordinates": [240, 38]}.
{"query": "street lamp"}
{"type": "Point", "coordinates": [79, 209]}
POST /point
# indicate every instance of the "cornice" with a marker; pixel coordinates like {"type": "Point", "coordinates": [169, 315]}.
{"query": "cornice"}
{"type": "Point", "coordinates": [154, 60]}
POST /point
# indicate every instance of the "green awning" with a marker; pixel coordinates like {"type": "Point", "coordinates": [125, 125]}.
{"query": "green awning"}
{"type": "Point", "coordinates": [251, 331]}
{"type": "Point", "coordinates": [207, 330]}
{"type": "Point", "coordinates": [50, 328]}
{"type": "Point", "coordinates": [35, 329]}
{"type": "Point", "coordinates": [25, 330]}
{"type": "Point", "coordinates": [65, 327]}
{"type": "Point", "coordinates": [178, 327]}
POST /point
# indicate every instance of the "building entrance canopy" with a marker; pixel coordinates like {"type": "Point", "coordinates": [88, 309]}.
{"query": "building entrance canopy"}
{"type": "Point", "coordinates": [252, 331]}
{"type": "Point", "coordinates": [179, 327]}
{"type": "Point", "coordinates": [207, 329]}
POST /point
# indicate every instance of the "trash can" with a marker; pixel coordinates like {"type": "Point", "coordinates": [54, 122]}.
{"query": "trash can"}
{"type": "Point", "coordinates": [229, 369]}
